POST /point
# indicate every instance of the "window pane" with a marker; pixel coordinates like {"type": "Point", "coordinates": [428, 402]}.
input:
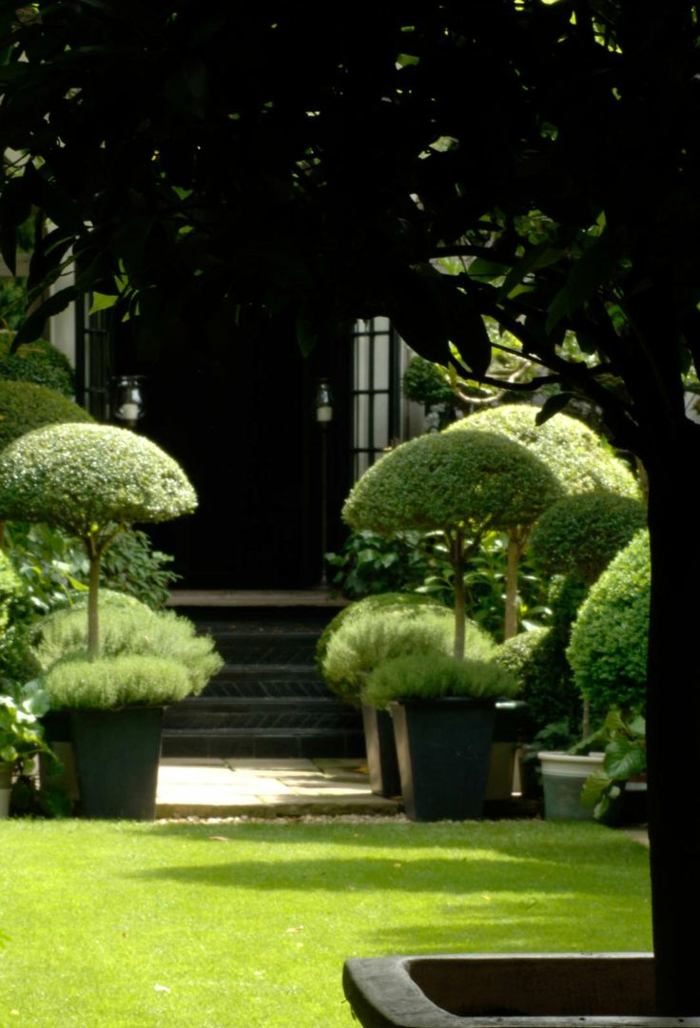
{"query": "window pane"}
{"type": "Point", "coordinates": [380, 437]}
{"type": "Point", "coordinates": [381, 362]}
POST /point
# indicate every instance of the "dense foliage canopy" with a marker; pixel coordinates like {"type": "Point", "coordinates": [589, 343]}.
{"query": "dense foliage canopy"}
{"type": "Point", "coordinates": [90, 479]}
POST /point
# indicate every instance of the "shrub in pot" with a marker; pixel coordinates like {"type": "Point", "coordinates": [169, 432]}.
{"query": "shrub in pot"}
{"type": "Point", "coordinates": [443, 710]}
{"type": "Point", "coordinates": [148, 659]}
{"type": "Point", "coordinates": [369, 632]}
{"type": "Point", "coordinates": [624, 766]}
{"type": "Point", "coordinates": [92, 481]}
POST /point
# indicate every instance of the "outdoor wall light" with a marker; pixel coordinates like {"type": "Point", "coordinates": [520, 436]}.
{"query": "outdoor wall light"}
{"type": "Point", "coordinates": [128, 400]}
{"type": "Point", "coordinates": [324, 401]}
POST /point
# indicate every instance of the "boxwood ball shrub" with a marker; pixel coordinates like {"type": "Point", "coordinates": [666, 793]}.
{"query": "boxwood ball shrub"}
{"type": "Point", "coordinates": [461, 484]}
{"type": "Point", "coordinates": [581, 534]}
{"type": "Point", "coordinates": [367, 638]}
{"type": "Point", "coordinates": [608, 648]}
{"type": "Point", "coordinates": [91, 481]}
{"type": "Point", "coordinates": [432, 676]}
{"type": "Point", "coordinates": [25, 406]}
{"type": "Point", "coordinates": [38, 362]}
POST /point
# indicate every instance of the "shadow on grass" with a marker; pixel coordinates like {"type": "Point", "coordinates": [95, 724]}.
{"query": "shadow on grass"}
{"type": "Point", "coordinates": [472, 875]}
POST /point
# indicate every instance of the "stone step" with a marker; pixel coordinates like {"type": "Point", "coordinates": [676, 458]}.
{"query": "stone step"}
{"type": "Point", "coordinates": [307, 743]}
{"type": "Point", "coordinates": [268, 700]}
{"type": "Point", "coordinates": [266, 681]}
{"type": "Point", "coordinates": [257, 714]}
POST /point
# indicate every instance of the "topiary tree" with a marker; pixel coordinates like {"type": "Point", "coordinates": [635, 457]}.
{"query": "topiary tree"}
{"type": "Point", "coordinates": [37, 362]}
{"type": "Point", "coordinates": [91, 481]}
{"type": "Point", "coordinates": [461, 484]}
{"type": "Point", "coordinates": [608, 648]}
{"type": "Point", "coordinates": [25, 406]}
{"type": "Point", "coordinates": [581, 534]}
{"type": "Point", "coordinates": [580, 460]}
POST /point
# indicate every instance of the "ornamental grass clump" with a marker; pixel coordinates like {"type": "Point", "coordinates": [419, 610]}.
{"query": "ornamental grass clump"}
{"type": "Point", "coordinates": [462, 484]}
{"type": "Point", "coordinates": [115, 682]}
{"type": "Point", "coordinates": [376, 634]}
{"type": "Point", "coordinates": [437, 675]}
{"type": "Point", "coordinates": [91, 481]}
{"type": "Point", "coordinates": [135, 641]}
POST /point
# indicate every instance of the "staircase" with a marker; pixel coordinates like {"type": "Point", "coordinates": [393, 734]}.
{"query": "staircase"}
{"type": "Point", "coordinates": [268, 700]}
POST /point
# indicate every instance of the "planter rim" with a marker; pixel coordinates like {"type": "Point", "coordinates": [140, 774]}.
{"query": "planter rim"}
{"type": "Point", "coordinates": [383, 992]}
{"type": "Point", "coordinates": [443, 701]}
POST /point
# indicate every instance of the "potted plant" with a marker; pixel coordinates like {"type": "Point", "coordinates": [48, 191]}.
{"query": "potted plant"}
{"type": "Point", "coordinates": [443, 708]}
{"type": "Point", "coordinates": [21, 736]}
{"type": "Point", "coordinates": [148, 659]}
{"type": "Point", "coordinates": [92, 481]}
{"type": "Point", "coordinates": [374, 630]}
{"type": "Point", "coordinates": [622, 778]}
{"type": "Point", "coordinates": [461, 484]}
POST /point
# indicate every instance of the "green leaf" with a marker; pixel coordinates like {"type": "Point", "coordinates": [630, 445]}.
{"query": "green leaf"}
{"type": "Point", "coordinates": [624, 759]}
{"type": "Point", "coordinates": [552, 406]}
{"type": "Point", "coordinates": [588, 273]}
{"type": "Point", "coordinates": [541, 256]}
{"type": "Point", "coordinates": [102, 302]}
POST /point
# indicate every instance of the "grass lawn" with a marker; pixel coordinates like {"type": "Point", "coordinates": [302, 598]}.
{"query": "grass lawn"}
{"type": "Point", "coordinates": [247, 925]}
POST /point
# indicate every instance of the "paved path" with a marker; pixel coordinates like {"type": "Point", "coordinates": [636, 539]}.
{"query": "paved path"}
{"type": "Point", "coordinates": [265, 788]}
{"type": "Point", "coordinates": [210, 787]}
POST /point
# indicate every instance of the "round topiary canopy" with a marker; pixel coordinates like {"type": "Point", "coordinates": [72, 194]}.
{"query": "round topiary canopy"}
{"type": "Point", "coordinates": [25, 406]}
{"type": "Point", "coordinates": [609, 638]}
{"type": "Point", "coordinates": [466, 481]}
{"type": "Point", "coordinates": [88, 479]}
{"type": "Point", "coordinates": [37, 362]}
{"type": "Point", "coordinates": [581, 534]}
{"type": "Point", "coordinates": [580, 459]}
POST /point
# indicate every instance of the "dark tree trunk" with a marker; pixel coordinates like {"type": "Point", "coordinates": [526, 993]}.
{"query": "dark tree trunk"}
{"type": "Point", "coordinates": [673, 720]}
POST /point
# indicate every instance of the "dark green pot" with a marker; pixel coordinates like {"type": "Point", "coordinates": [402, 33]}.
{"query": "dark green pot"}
{"type": "Point", "coordinates": [117, 753]}
{"type": "Point", "coordinates": [380, 744]}
{"type": "Point", "coordinates": [444, 748]}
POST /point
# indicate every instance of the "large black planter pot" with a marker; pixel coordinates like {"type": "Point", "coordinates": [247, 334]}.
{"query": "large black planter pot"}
{"type": "Point", "coordinates": [444, 748]}
{"type": "Point", "coordinates": [117, 753]}
{"type": "Point", "coordinates": [505, 991]}
{"type": "Point", "coordinates": [382, 761]}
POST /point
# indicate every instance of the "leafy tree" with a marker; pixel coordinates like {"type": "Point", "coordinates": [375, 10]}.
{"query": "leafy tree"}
{"type": "Point", "coordinates": [579, 459]}
{"type": "Point", "coordinates": [91, 481]}
{"type": "Point", "coordinates": [244, 170]}
{"type": "Point", "coordinates": [462, 484]}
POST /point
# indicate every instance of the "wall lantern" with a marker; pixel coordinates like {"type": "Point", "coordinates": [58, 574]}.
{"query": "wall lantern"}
{"type": "Point", "coordinates": [128, 400]}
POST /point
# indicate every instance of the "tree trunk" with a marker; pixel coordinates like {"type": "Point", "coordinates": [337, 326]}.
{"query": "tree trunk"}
{"type": "Point", "coordinates": [93, 597]}
{"type": "Point", "coordinates": [512, 564]}
{"type": "Point", "coordinates": [673, 723]}
{"type": "Point", "coordinates": [456, 549]}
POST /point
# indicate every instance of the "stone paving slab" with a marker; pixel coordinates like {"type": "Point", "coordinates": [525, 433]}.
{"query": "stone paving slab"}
{"type": "Point", "coordinates": [213, 787]}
